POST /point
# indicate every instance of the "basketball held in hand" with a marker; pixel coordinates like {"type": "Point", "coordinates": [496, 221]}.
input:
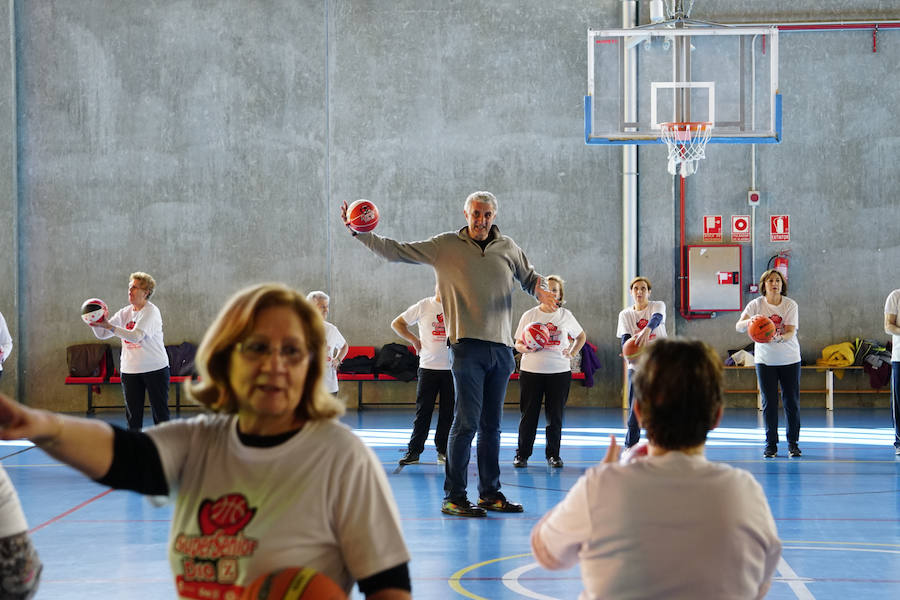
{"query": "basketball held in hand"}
{"type": "Point", "coordinates": [93, 311]}
{"type": "Point", "coordinates": [630, 350]}
{"type": "Point", "coordinates": [362, 216]}
{"type": "Point", "coordinates": [294, 583]}
{"type": "Point", "coordinates": [761, 329]}
{"type": "Point", "coordinates": [535, 336]}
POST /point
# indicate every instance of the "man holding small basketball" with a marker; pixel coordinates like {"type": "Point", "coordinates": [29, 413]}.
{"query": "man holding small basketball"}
{"type": "Point", "coordinates": [477, 268]}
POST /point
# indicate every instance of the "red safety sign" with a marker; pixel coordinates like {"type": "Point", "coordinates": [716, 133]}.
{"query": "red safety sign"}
{"type": "Point", "coordinates": [712, 228]}
{"type": "Point", "coordinates": [740, 228]}
{"type": "Point", "coordinates": [781, 228]}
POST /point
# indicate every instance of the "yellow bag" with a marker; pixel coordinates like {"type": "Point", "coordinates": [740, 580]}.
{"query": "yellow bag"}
{"type": "Point", "coordinates": [837, 355]}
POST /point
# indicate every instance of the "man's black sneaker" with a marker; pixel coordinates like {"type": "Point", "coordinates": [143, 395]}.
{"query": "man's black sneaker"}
{"type": "Point", "coordinates": [463, 508]}
{"type": "Point", "coordinates": [770, 452]}
{"type": "Point", "coordinates": [499, 503]}
{"type": "Point", "coordinates": [794, 450]}
{"type": "Point", "coordinates": [409, 458]}
{"type": "Point", "coordinates": [519, 462]}
{"type": "Point", "coordinates": [555, 462]}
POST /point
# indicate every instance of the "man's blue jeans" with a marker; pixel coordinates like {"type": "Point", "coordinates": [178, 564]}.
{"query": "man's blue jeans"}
{"type": "Point", "coordinates": [481, 373]}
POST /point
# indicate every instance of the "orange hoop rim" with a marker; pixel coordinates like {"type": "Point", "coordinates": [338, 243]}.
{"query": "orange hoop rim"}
{"type": "Point", "coordinates": [686, 125]}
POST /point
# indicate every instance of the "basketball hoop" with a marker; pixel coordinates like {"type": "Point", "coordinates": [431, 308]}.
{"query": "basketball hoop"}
{"type": "Point", "coordinates": [679, 9]}
{"type": "Point", "coordinates": [687, 144]}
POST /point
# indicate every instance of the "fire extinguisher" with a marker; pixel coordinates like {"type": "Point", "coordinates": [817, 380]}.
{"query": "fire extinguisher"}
{"type": "Point", "coordinates": [781, 261]}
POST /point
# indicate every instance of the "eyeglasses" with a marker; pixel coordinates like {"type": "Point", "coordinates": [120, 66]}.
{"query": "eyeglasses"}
{"type": "Point", "coordinates": [257, 351]}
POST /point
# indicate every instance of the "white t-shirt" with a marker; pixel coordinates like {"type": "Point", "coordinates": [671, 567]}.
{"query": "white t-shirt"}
{"type": "Point", "coordinates": [6, 342]}
{"type": "Point", "coordinates": [320, 499]}
{"type": "Point", "coordinates": [892, 307]}
{"type": "Point", "coordinates": [149, 353]}
{"type": "Point", "coordinates": [12, 519]}
{"type": "Point", "coordinates": [632, 321]}
{"type": "Point", "coordinates": [775, 354]}
{"type": "Point", "coordinates": [334, 342]}
{"type": "Point", "coordinates": [563, 328]}
{"type": "Point", "coordinates": [674, 526]}
{"type": "Point", "coordinates": [429, 314]}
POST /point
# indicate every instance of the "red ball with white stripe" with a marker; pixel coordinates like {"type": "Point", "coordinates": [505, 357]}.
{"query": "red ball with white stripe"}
{"type": "Point", "coordinates": [362, 216]}
{"type": "Point", "coordinates": [536, 336]}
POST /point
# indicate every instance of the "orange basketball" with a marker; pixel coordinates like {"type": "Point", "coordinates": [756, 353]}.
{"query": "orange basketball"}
{"type": "Point", "coordinates": [630, 349]}
{"type": "Point", "coordinates": [363, 216]}
{"type": "Point", "coordinates": [761, 329]}
{"type": "Point", "coordinates": [294, 583]}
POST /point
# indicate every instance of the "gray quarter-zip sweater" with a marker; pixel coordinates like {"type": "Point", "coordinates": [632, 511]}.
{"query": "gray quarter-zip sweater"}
{"type": "Point", "coordinates": [476, 286]}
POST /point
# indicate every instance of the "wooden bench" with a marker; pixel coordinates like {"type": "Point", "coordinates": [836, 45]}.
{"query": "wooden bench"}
{"type": "Point", "coordinates": [361, 378]}
{"type": "Point", "coordinates": [829, 390]}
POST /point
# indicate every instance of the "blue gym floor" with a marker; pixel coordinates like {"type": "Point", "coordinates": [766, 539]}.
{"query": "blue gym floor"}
{"type": "Point", "coordinates": [837, 509]}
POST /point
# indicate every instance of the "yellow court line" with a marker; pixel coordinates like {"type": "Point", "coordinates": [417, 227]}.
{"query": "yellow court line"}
{"type": "Point", "coordinates": [457, 586]}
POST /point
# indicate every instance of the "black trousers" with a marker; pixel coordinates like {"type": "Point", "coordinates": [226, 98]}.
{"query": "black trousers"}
{"type": "Point", "coordinates": [768, 378]}
{"type": "Point", "coordinates": [432, 382]}
{"type": "Point", "coordinates": [553, 390]}
{"type": "Point", "coordinates": [156, 385]}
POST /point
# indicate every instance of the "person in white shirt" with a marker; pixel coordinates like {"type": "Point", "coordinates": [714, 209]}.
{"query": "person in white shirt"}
{"type": "Point", "coordinates": [144, 362]}
{"type": "Point", "coordinates": [777, 361]}
{"type": "Point", "coordinates": [337, 347]}
{"type": "Point", "coordinates": [434, 377]}
{"type": "Point", "coordinates": [267, 479]}
{"type": "Point", "coordinates": [20, 565]}
{"type": "Point", "coordinates": [645, 320]}
{"type": "Point", "coordinates": [6, 343]}
{"type": "Point", "coordinates": [664, 522]}
{"type": "Point", "coordinates": [892, 328]}
{"type": "Point", "coordinates": [545, 374]}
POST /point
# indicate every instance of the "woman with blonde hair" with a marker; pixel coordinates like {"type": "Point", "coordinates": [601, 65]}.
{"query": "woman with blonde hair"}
{"type": "Point", "coordinates": [545, 374]}
{"type": "Point", "coordinates": [267, 480]}
{"type": "Point", "coordinates": [144, 362]}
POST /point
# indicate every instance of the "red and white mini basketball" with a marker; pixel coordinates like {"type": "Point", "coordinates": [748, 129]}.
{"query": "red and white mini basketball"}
{"type": "Point", "coordinates": [535, 336]}
{"type": "Point", "coordinates": [363, 216]}
{"type": "Point", "coordinates": [93, 311]}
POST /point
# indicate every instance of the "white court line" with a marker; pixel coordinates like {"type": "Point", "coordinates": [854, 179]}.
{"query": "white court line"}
{"type": "Point", "coordinates": [511, 580]}
{"type": "Point", "coordinates": [599, 437]}
{"type": "Point", "coordinates": [22, 443]}
{"type": "Point", "coordinates": [796, 584]}
{"type": "Point", "coordinates": [787, 575]}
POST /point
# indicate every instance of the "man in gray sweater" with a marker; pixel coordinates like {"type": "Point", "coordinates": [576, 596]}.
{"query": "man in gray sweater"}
{"type": "Point", "coordinates": [477, 268]}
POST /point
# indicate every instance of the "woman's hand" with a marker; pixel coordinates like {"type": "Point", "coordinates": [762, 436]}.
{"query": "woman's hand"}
{"type": "Point", "coordinates": [19, 422]}
{"type": "Point", "coordinates": [643, 335]}
{"type": "Point", "coordinates": [612, 452]}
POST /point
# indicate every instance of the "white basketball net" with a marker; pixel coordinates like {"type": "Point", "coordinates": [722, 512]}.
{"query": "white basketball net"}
{"type": "Point", "coordinates": [687, 145]}
{"type": "Point", "coordinates": [680, 9]}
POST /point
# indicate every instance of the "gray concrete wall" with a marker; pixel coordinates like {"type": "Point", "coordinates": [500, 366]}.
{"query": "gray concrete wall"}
{"type": "Point", "coordinates": [8, 197]}
{"type": "Point", "coordinates": [211, 143]}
